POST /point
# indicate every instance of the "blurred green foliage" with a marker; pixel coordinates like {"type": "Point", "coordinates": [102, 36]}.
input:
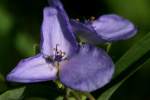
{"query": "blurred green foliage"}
{"type": "Point", "coordinates": [24, 44]}
{"type": "Point", "coordinates": [20, 22]}
{"type": "Point", "coordinates": [6, 21]}
{"type": "Point", "coordinates": [136, 10]}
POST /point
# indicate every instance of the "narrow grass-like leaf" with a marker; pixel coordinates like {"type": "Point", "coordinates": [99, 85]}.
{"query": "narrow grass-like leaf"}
{"type": "Point", "coordinates": [140, 48]}
{"type": "Point", "coordinates": [14, 94]}
{"type": "Point", "coordinates": [108, 93]}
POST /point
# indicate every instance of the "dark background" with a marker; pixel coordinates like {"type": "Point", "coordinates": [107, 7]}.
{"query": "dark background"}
{"type": "Point", "coordinates": [20, 22]}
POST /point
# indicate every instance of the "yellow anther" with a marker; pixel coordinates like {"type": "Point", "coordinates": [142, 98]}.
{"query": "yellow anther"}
{"type": "Point", "coordinates": [63, 54]}
{"type": "Point", "coordinates": [92, 18]}
{"type": "Point", "coordinates": [58, 52]}
{"type": "Point", "coordinates": [77, 19]}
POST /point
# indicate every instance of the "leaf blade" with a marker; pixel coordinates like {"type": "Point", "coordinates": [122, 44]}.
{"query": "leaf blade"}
{"type": "Point", "coordinates": [14, 94]}
{"type": "Point", "coordinates": [108, 93]}
{"type": "Point", "coordinates": [140, 48]}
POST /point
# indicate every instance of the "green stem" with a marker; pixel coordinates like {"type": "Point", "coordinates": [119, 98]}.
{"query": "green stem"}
{"type": "Point", "coordinates": [75, 94]}
{"type": "Point", "coordinates": [89, 96]}
{"type": "Point", "coordinates": [108, 47]}
{"type": "Point", "coordinates": [80, 95]}
{"type": "Point", "coordinates": [66, 97]}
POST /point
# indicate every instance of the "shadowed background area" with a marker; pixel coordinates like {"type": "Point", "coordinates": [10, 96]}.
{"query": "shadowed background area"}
{"type": "Point", "coordinates": [20, 22]}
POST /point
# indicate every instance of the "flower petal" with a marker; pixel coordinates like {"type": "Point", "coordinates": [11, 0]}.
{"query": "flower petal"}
{"type": "Point", "coordinates": [57, 4]}
{"type": "Point", "coordinates": [56, 31]}
{"type": "Point", "coordinates": [86, 32]}
{"type": "Point", "coordinates": [33, 69]}
{"type": "Point", "coordinates": [87, 71]}
{"type": "Point", "coordinates": [107, 28]}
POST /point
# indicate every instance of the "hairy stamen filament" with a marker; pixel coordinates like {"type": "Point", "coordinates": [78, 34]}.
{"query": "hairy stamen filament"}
{"type": "Point", "coordinates": [58, 54]}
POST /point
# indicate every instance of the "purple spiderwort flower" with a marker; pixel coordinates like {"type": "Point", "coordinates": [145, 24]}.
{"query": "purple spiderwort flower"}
{"type": "Point", "coordinates": [107, 28]}
{"type": "Point", "coordinates": [81, 67]}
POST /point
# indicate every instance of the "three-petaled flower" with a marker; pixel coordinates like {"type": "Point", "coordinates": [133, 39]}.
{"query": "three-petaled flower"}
{"type": "Point", "coordinates": [81, 67]}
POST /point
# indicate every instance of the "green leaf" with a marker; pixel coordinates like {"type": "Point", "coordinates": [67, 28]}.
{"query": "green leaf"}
{"type": "Point", "coordinates": [14, 94]}
{"type": "Point", "coordinates": [140, 48]}
{"type": "Point", "coordinates": [108, 93]}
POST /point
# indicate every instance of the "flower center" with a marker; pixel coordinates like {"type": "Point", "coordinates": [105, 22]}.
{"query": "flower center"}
{"type": "Point", "coordinates": [59, 54]}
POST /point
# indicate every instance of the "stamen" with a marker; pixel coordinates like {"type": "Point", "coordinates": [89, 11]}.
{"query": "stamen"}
{"type": "Point", "coordinates": [49, 59]}
{"type": "Point", "coordinates": [60, 51]}
{"type": "Point", "coordinates": [57, 47]}
{"type": "Point", "coordinates": [77, 19]}
{"type": "Point", "coordinates": [92, 18]}
{"type": "Point", "coordinates": [82, 43]}
{"type": "Point", "coordinates": [63, 54]}
{"type": "Point", "coordinates": [59, 54]}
